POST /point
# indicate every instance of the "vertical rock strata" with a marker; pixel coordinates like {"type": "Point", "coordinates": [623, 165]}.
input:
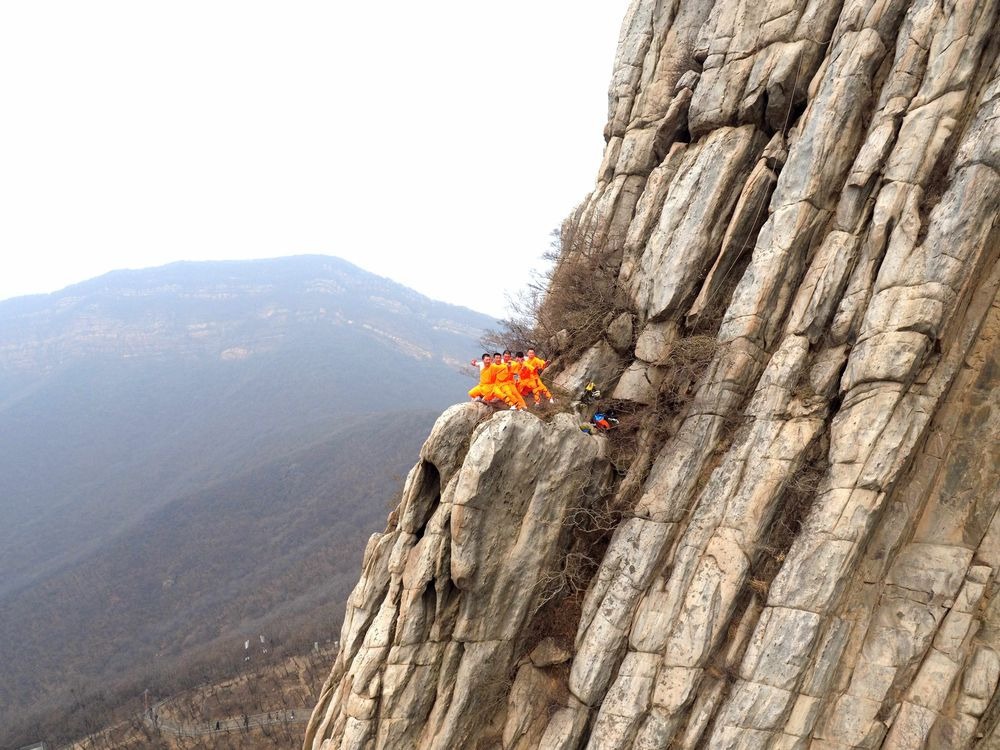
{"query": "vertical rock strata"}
{"type": "Point", "coordinates": [810, 548]}
{"type": "Point", "coordinates": [434, 625]}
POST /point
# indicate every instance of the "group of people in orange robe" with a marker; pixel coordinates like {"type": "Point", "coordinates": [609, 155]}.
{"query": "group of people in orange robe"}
{"type": "Point", "coordinates": [507, 379]}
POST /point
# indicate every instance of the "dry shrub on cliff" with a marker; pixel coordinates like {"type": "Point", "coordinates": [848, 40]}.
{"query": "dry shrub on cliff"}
{"type": "Point", "coordinates": [587, 529]}
{"type": "Point", "coordinates": [803, 485]}
{"type": "Point", "coordinates": [571, 577]}
{"type": "Point", "coordinates": [580, 300]}
{"type": "Point", "coordinates": [575, 294]}
{"type": "Point", "coordinates": [624, 440]}
{"type": "Point", "coordinates": [794, 505]}
{"type": "Point", "coordinates": [517, 332]}
{"type": "Point", "coordinates": [690, 355]}
{"type": "Point", "coordinates": [685, 362]}
{"type": "Point", "coordinates": [642, 429]}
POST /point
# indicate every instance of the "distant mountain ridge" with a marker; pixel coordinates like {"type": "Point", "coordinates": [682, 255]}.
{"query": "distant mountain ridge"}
{"type": "Point", "coordinates": [243, 418]}
{"type": "Point", "coordinates": [230, 309]}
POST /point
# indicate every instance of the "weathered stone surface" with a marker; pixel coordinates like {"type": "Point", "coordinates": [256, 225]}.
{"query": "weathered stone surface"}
{"type": "Point", "coordinates": [600, 364]}
{"type": "Point", "coordinates": [748, 216]}
{"type": "Point", "coordinates": [653, 344]}
{"type": "Point", "coordinates": [533, 696]}
{"type": "Point", "coordinates": [548, 652]}
{"type": "Point", "coordinates": [620, 333]}
{"type": "Point", "coordinates": [980, 682]}
{"type": "Point", "coordinates": [807, 554]}
{"type": "Point", "coordinates": [455, 597]}
{"type": "Point", "coordinates": [689, 234]}
{"type": "Point", "coordinates": [790, 633]}
{"type": "Point", "coordinates": [639, 383]}
{"type": "Point", "coordinates": [625, 571]}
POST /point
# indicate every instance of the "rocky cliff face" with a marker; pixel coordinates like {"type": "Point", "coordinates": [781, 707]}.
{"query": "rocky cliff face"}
{"type": "Point", "coordinates": [803, 544]}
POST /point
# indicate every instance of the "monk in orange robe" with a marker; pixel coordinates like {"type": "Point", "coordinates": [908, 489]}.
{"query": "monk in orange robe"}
{"type": "Point", "coordinates": [487, 377]}
{"type": "Point", "coordinates": [531, 380]}
{"type": "Point", "coordinates": [505, 385]}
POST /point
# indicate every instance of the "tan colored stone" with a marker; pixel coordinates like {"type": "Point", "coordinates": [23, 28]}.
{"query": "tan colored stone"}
{"type": "Point", "coordinates": [600, 364]}
{"type": "Point", "coordinates": [639, 383]}
{"type": "Point", "coordinates": [547, 653]}
{"type": "Point", "coordinates": [676, 255]}
{"type": "Point", "coordinates": [826, 177]}
{"type": "Point", "coordinates": [620, 333]}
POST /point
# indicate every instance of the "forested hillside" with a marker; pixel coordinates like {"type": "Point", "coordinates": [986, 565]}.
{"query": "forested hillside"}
{"type": "Point", "coordinates": [191, 455]}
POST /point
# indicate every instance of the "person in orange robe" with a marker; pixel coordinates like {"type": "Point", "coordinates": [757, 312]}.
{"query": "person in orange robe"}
{"type": "Point", "coordinates": [487, 377]}
{"type": "Point", "coordinates": [532, 367]}
{"type": "Point", "coordinates": [506, 386]}
{"type": "Point", "coordinates": [517, 366]}
{"type": "Point", "coordinates": [523, 374]}
{"type": "Point", "coordinates": [494, 382]}
{"type": "Point", "coordinates": [528, 379]}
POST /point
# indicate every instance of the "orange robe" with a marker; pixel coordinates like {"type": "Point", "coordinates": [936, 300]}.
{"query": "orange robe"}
{"type": "Point", "coordinates": [487, 377]}
{"type": "Point", "coordinates": [531, 380]}
{"type": "Point", "coordinates": [525, 374]}
{"type": "Point", "coordinates": [504, 386]}
{"type": "Point", "coordinates": [519, 372]}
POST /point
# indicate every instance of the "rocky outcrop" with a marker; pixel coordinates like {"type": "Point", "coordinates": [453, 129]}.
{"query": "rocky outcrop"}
{"type": "Point", "coordinates": [438, 620]}
{"type": "Point", "coordinates": [806, 546]}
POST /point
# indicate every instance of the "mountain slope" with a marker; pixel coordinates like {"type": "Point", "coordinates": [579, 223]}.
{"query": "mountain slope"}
{"type": "Point", "coordinates": [238, 557]}
{"type": "Point", "coordinates": [185, 451]}
{"type": "Point", "coordinates": [199, 369]}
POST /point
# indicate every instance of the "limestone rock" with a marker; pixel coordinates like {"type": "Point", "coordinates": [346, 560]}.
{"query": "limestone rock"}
{"type": "Point", "coordinates": [600, 364]}
{"type": "Point", "coordinates": [461, 587]}
{"type": "Point", "coordinates": [620, 333]}
{"type": "Point", "coordinates": [800, 547]}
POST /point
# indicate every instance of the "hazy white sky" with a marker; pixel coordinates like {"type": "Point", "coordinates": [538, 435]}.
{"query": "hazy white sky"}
{"type": "Point", "coordinates": [435, 143]}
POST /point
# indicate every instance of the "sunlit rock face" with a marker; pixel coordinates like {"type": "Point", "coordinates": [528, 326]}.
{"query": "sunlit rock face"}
{"type": "Point", "coordinates": [806, 545]}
